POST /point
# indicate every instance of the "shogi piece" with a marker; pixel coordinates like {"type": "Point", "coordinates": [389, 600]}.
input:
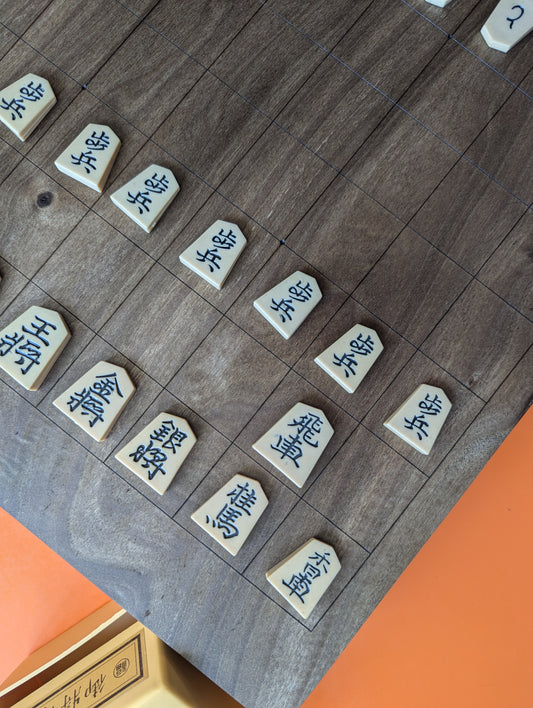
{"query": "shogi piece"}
{"type": "Point", "coordinates": [90, 157]}
{"type": "Point", "coordinates": [230, 515]}
{"type": "Point", "coordinates": [96, 400]}
{"type": "Point", "coordinates": [146, 197]}
{"type": "Point", "coordinates": [25, 103]}
{"type": "Point", "coordinates": [304, 576]}
{"type": "Point", "coordinates": [294, 444]}
{"type": "Point", "coordinates": [159, 450]}
{"type": "Point", "coordinates": [419, 419]}
{"type": "Point", "coordinates": [30, 345]}
{"type": "Point", "coordinates": [213, 255]}
{"type": "Point", "coordinates": [288, 304]}
{"type": "Point", "coordinates": [508, 23]}
{"type": "Point", "coordinates": [349, 359]}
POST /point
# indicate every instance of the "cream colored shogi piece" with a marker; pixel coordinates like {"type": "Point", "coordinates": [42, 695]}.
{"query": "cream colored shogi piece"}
{"type": "Point", "coordinates": [304, 576]}
{"type": "Point", "coordinates": [95, 401]}
{"type": "Point", "coordinates": [231, 513]}
{"type": "Point", "coordinates": [214, 253]}
{"type": "Point", "coordinates": [420, 418]}
{"type": "Point", "coordinates": [287, 304]}
{"type": "Point", "coordinates": [349, 359]}
{"type": "Point", "coordinates": [30, 345]}
{"type": "Point", "coordinates": [24, 103]}
{"type": "Point", "coordinates": [90, 156]}
{"type": "Point", "coordinates": [146, 197]}
{"type": "Point", "coordinates": [159, 450]}
{"type": "Point", "coordinates": [294, 444]}
{"type": "Point", "coordinates": [507, 24]}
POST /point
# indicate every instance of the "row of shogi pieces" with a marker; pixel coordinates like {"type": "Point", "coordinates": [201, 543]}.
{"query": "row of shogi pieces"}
{"type": "Point", "coordinates": [508, 23]}
{"type": "Point", "coordinates": [30, 345]}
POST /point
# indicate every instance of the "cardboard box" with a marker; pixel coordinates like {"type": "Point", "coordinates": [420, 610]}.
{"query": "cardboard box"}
{"type": "Point", "coordinates": [109, 659]}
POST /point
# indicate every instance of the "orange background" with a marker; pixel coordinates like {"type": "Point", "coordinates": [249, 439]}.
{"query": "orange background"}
{"type": "Point", "coordinates": [456, 630]}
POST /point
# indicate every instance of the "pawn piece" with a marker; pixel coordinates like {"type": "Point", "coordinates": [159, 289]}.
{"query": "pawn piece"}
{"type": "Point", "coordinates": [147, 196]}
{"type": "Point", "coordinates": [287, 304]}
{"type": "Point", "coordinates": [419, 419]}
{"type": "Point", "coordinates": [231, 513]}
{"type": "Point", "coordinates": [508, 23]}
{"type": "Point", "coordinates": [439, 3]}
{"type": "Point", "coordinates": [25, 103]}
{"type": "Point", "coordinates": [349, 359]}
{"type": "Point", "coordinates": [90, 157]}
{"type": "Point", "coordinates": [30, 345]}
{"type": "Point", "coordinates": [304, 576]}
{"type": "Point", "coordinates": [294, 444]}
{"type": "Point", "coordinates": [215, 252]}
{"type": "Point", "coordinates": [95, 401]}
{"type": "Point", "coordinates": [159, 450]}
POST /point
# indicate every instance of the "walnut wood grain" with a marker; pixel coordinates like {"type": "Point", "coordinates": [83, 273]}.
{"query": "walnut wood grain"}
{"type": "Point", "coordinates": [195, 90]}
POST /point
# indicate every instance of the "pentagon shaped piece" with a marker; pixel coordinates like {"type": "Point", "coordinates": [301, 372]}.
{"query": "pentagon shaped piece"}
{"type": "Point", "coordinates": [231, 513]}
{"type": "Point", "coordinates": [420, 418]}
{"type": "Point", "coordinates": [294, 444]}
{"type": "Point", "coordinates": [24, 103]}
{"type": "Point", "coordinates": [90, 156]}
{"type": "Point", "coordinates": [304, 576]}
{"type": "Point", "coordinates": [159, 450]}
{"type": "Point", "coordinates": [30, 345]}
{"type": "Point", "coordinates": [146, 197]}
{"type": "Point", "coordinates": [95, 401]}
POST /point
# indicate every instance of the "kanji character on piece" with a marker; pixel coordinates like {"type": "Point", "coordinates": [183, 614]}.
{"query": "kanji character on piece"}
{"type": "Point", "coordinates": [284, 307]}
{"type": "Point", "coordinates": [308, 426]}
{"type": "Point", "coordinates": [301, 293]}
{"type": "Point", "coordinates": [431, 406]}
{"type": "Point", "coordinates": [223, 240]}
{"type": "Point", "coordinates": [418, 423]}
{"type": "Point", "coordinates": [362, 346]}
{"type": "Point", "coordinates": [225, 520]}
{"type": "Point", "coordinates": [98, 142]}
{"type": "Point", "coordinates": [290, 447]}
{"type": "Point", "coordinates": [347, 360]}
{"type": "Point", "coordinates": [211, 256]}
{"type": "Point", "coordinates": [39, 330]}
{"type": "Point", "coordinates": [152, 456]}
{"type": "Point", "coordinates": [156, 184]}
{"type": "Point", "coordinates": [142, 199]}
{"type": "Point", "coordinates": [243, 497]}
{"type": "Point", "coordinates": [32, 93]}
{"type": "Point", "coordinates": [299, 585]}
{"type": "Point", "coordinates": [16, 106]}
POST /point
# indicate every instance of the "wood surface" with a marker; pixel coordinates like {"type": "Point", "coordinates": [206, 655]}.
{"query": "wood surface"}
{"type": "Point", "coordinates": [379, 146]}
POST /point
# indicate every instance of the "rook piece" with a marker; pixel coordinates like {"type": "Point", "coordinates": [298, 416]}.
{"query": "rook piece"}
{"type": "Point", "coordinates": [349, 359]}
{"type": "Point", "coordinates": [304, 576]}
{"type": "Point", "coordinates": [159, 450]}
{"type": "Point", "coordinates": [146, 197]}
{"type": "Point", "coordinates": [419, 419]}
{"type": "Point", "coordinates": [97, 399]}
{"type": "Point", "coordinates": [230, 515]}
{"type": "Point", "coordinates": [25, 103]}
{"type": "Point", "coordinates": [90, 157]}
{"type": "Point", "coordinates": [30, 345]}
{"type": "Point", "coordinates": [287, 304]}
{"type": "Point", "coordinates": [508, 23]}
{"type": "Point", "coordinates": [215, 252]}
{"type": "Point", "coordinates": [294, 444]}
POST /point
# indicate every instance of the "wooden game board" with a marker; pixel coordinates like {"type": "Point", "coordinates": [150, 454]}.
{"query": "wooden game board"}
{"type": "Point", "coordinates": [380, 147]}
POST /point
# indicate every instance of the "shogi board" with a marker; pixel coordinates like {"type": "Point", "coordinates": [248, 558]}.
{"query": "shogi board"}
{"type": "Point", "coordinates": [380, 147]}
